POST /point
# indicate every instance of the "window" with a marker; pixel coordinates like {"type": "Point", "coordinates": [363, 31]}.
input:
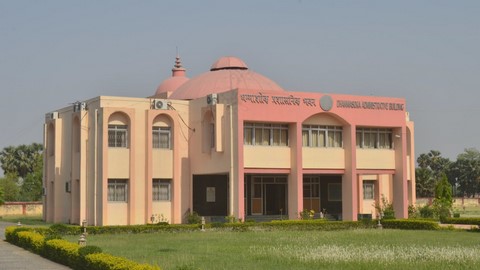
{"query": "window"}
{"type": "Point", "coordinates": [162, 137]}
{"type": "Point", "coordinates": [380, 138]}
{"type": "Point", "coordinates": [322, 136]}
{"type": "Point", "coordinates": [117, 190]}
{"type": "Point", "coordinates": [265, 134]}
{"type": "Point", "coordinates": [368, 190]}
{"type": "Point", "coordinates": [117, 136]}
{"type": "Point", "coordinates": [311, 187]}
{"type": "Point", "coordinates": [161, 189]}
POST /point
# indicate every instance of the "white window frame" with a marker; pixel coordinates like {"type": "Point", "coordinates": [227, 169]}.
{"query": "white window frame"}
{"type": "Point", "coordinates": [117, 130]}
{"type": "Point", "coordinates": [337, 131]}
{"type": "Point", "coordinates": [157, 133]}
{"type": "Point", "coordinates": [374, 134]}
{"type": "Point", "coordinates": [271, 130]}
{"type": "Point", "coordinates": [116, 184]}
{"type": "Point", "coordinates": [157, 184]}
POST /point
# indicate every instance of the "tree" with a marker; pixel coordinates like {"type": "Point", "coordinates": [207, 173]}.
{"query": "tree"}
{"type": "Point", "coordinates": [431, 167]}
{"type": "Point", "coordinates": [21, 160]}
{"type": "Point", "coordinates": [425, 182]}
{"type": "Point", "coordinates": [10, 188]}
{"type": "Point", "coordinates": [31, 189]}
{"type": "Point", "coordinates": [23, 167]}
{"type": "Point", "coordinates": [2, 201]}
{"type": "Point", "coordinates": [443, 201]}
{"type": "Point", "coordinates": [465, 172]}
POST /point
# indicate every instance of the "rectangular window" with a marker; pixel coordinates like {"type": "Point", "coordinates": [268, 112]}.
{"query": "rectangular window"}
{"type": "Point", "coordinates": [117, 136]}
{"type": "Point", "coordinates": [162, 137]}
{"type": "Point", "coordinates": [117, 190]}
{"type": "Point", "coordinates": [161, 189]}
{"type": "Point", "coordinates": [368, 190]}
{"type": "Point", "coordinates": [311, 187]}
{"type": "Point", "coordinates": [265, 134]}
{"type": "Point", "coordinates": [322, 136]}
{"type": "Point", "coordinates": [380, 138]}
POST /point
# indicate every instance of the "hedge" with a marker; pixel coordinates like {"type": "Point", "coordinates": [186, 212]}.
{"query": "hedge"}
{"type": "Point", "coordinates": [62, 251]}
{"type": "Point", "coordinates": [67, 253]}
{"type": "Point", "coordinates": [468, 221]}
{"type": "Point", "coordinates": [317, 225]}
{"type": "Point", "coordinates": [101, 261]}
{"type": "Point", "coordinates": [409, 224]}
{"type": "Point", "coordinates": [31, 240]}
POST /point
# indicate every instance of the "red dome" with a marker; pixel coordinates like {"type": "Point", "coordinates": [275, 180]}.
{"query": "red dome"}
{"type": "Point", "coordinates": [170, 84]}
{"type": "Point", "coordinates": [226, 73]}
{"type": "Point", "coordinates": [178, 78]}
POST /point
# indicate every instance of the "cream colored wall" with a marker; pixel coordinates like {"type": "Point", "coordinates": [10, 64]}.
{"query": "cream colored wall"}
{"type": "Point", "coordinates": [162, 163]}
{"type": "Point", "coordinates": [118, 213]}
{"type": "Point", "coordinates": [375, 159]}
{"type": "Point", "coordinates": [163, 208]}
{"type": "Point", "coordinates": [323, 158]}
{"type": "Point", "coordinates": [118, 163]}
{"type": "Point", "coordinates": [210, 160]}
{"type": "Point", "coordinates": [266, 157]}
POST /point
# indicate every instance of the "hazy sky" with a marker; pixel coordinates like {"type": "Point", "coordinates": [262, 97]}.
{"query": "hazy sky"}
{"type": "Point", "coordinates": [53, 53]}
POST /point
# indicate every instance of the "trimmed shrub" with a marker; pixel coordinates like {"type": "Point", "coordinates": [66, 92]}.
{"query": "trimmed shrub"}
{"type": "Point", "coordinates": [305, 225]}
{"type": "Point", "coordinates": [62, 229]}
{"type": "Point", "coordinates": [409, 224]}
{"type": "Point", "coordinates": [62, 251]}
{"type": "Point", "coordinates": [84, 251]}
{"type": "Point", "coordinates": [468, 221]}
{"type": "Point", "coordinates": [11, 233]}
{"type": "Point", "coordinates": [31, 240]}
{"type": "Point", "coordinates": [101, 261]}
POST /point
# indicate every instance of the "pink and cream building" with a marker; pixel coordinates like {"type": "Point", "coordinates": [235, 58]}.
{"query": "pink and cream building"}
{"type": "Point", "coordinates": [228, 142]}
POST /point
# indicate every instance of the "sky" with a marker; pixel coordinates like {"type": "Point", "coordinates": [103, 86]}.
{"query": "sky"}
{"type": "Point", "coordinates": [54, 53]}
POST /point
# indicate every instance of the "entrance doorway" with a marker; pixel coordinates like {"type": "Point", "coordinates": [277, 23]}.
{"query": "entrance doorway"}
{"type": "Point", "coordinates": [266, 195]}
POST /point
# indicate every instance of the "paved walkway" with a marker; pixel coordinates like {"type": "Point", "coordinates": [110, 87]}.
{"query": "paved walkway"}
{"type": "Point", "coordinates": [16, 258]}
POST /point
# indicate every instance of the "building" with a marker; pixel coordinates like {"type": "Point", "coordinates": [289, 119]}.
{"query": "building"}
{"type": "Point", "coordinates": [228, 142]}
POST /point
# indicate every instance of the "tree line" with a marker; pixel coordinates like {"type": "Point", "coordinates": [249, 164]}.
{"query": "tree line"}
{"type": "Point", "coordinates": [463, 174]}
{"type": "Point", "coordinates": [23, 171]}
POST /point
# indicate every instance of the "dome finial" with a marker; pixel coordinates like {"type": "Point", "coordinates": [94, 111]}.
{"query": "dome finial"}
{"type": "Point", "coordinates": [178, 70]}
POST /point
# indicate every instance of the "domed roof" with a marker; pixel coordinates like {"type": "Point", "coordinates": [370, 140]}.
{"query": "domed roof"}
{"type": "Point", "coordinates": [226, 73]}
{"type": "Point", "coordinates": [178, 78]}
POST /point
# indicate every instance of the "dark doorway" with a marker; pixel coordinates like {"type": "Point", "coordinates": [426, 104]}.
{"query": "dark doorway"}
{"type": "Point", "coordinates": [210, 195]}
{"type": "Point", "coordinates": [275, 195]}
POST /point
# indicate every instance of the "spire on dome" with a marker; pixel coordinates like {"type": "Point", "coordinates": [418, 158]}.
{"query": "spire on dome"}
{"type": "Point", "coordinates": [178, 70]}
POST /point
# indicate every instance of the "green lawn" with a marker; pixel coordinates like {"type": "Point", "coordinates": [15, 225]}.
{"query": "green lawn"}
{"type": "Point", "coordinates": [25, 220]}
{"type": "Point", "coordinates": [467, 211]}
{"type": "Point", "coordinates": [351, 249]}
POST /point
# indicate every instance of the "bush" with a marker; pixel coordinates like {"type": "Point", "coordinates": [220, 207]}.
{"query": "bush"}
{"type": "Point", "coordinates": [468, 221]}
{"type": "Point", "coordinates": [193, 218]}
{"type": "Point", "coordinates": [427, 211]}
{"type": "Point", "coordinates": [305, 225]}
{"type": "Point", "coordinates": [385, 208]}
{"type": "Point", "coordinates": [410, 224]}
{"type": "Point", "coordinates": [84, 251]}
{"type": "Point", "coordinates": [31, 240]}
{"type": "Point", "coordinates": [62, 251]}
{"type": "Point", "coordinates": [101, 261]}
{"type": "Point", "coordinates": [62, 229]}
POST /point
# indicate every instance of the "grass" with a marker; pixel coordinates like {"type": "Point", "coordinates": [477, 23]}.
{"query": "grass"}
{"type": "Point", "coordinates": [25, 220]}
{"type": "Point", "coordinates": [352, 249]}
{"type": "Point", "coordinates": [468, 211]}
